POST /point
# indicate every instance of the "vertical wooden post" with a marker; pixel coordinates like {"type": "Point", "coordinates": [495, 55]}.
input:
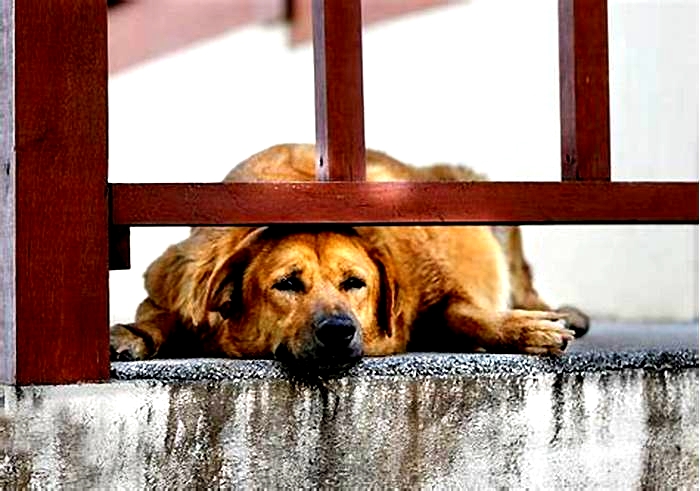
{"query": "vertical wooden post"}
{"type": "Point", "coordinates": [53, 186]}
{"type": "Point", "coordinates": [584, 92]}
{"type": "Point", "coordinates": [340, 130]}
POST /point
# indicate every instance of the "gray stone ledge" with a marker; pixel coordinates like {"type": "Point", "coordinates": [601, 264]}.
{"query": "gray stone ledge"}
{"type": "Point", "coordinates": [609, 346]}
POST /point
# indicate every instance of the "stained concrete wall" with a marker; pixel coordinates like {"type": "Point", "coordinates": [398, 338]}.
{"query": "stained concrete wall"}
{"type": "Point", "coordinates": [611, 430]}
{"type": "Point", "coordinates": [619, 412]}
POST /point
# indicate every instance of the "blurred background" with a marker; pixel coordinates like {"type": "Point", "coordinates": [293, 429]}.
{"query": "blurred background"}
{"type": "Point", "coordinates": [196, 86]}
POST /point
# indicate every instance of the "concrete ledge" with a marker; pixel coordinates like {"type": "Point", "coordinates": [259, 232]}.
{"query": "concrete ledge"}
{"type": "Point", "coordinates": [619, 411]}
{"type": "Point", "coordinates": [609, 346]}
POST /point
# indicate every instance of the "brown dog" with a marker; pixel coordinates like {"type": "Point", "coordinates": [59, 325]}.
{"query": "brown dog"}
{"type": "Point", "coordinates": [324, 297]}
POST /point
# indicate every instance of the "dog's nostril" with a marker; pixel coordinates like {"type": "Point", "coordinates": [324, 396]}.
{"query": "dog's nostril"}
{"type": "Point", "coordinates": [336, 332]}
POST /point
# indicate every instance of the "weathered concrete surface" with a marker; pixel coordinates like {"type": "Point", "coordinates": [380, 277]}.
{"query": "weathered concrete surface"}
{"type": "Point", "coordinates": [8, 218]}
{"type": "Point", "coordinates": [596, 418]}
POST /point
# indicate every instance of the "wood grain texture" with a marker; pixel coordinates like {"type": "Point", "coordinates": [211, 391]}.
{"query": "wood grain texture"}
{"type": "Point", "coordinates": [340, 125]}
{"type": "Point", "coordinates": [584, 91]}
{"type": "Point", "coordinates": [374, 203]}
{"type": "Point", "coordinates": [61, 240]}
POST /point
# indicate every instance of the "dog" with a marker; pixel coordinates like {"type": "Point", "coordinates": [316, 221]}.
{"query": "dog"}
{"type": "Point", "coordinates": [322, 297]}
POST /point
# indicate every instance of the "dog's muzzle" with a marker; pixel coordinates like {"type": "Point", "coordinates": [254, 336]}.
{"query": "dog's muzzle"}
{"type": "Point", "coordinates": [333, 340]}
{"type": "Point", "coordinates": [336, 338]}
{"type": "Point", "coordinates": [335, 333]}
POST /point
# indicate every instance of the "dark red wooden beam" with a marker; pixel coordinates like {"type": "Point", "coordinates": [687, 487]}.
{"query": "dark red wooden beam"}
{"type": "Point", "coordinates": [54, 325]}
{"type": "Point", "coordinates": [340, 127]}
{"type": "Point", "coordinates": [584, 92]}
{"type": "Point", "coordinates": [404, 203]}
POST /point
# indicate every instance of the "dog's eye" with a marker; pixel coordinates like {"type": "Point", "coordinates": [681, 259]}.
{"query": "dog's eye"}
{"type": "Point", "coordinates": [352, 283]}
{"type": "Point", "coordinates": [289, 284]}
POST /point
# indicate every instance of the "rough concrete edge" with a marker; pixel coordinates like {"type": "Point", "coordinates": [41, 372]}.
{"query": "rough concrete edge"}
{"type": "Point", "coordinates": [413, 365]}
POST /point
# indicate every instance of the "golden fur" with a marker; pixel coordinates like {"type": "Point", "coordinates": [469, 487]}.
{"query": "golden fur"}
{"type": "Point", "coordinates": [325, 296]}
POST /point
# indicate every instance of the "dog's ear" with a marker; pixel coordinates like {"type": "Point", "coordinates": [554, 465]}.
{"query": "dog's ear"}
{"type": "Point", "coordinates": [388, 311]}
{"type": "Point", "coordinates": [219, 273]}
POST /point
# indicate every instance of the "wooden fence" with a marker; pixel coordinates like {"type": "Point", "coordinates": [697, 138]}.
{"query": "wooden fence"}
{"type": "Point", "coordinates": [63, 224]}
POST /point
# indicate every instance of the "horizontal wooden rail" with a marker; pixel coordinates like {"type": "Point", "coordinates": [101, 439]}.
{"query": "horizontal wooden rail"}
{"type": "Point", "coordinates": [373, 203]}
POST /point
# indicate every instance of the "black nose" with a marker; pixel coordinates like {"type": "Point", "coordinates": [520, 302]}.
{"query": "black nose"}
{"type": "Point", "coordinates": [335, 331]}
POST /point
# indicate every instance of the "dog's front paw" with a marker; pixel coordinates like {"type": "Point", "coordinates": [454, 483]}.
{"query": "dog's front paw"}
{"type": "Point", "coordinates": [540, 333]}
{"type": "Point", "coordinates": [125, 345]}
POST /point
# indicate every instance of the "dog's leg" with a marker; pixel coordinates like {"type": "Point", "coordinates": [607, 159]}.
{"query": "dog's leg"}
{"type": "Point", "coordinates": [512, 331]}
{"type": "Point", "coordinates": [523, 293]}
{"type": "Point", "coordinates": [144, 338]}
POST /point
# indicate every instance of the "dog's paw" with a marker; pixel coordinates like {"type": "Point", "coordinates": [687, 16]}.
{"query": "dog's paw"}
{"type": "Point", "coordinates": [540, 333]}
{"type": "Point", "coordinates": [125, 345]}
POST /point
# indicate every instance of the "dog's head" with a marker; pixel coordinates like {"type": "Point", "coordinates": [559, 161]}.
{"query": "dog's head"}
{"type": "Point", "coordinates": [311, 298]}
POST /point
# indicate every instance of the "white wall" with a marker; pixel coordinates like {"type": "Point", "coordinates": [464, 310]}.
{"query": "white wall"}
{"type": "Point", "coordinates": [474, 83]}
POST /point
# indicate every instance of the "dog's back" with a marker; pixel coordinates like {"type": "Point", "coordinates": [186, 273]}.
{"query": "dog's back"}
{"type": "Point", "coordinates": [296, 162]}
